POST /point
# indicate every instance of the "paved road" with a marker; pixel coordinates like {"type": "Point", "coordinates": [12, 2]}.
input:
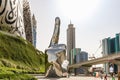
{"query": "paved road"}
{"type": "Point", "coordinates": [72, 78]}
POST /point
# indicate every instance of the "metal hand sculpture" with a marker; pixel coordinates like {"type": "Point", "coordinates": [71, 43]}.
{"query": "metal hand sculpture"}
{"type": "Point", "coordinates": [56, 53]}
{"type": "Point", "coordinates": [55, 37]}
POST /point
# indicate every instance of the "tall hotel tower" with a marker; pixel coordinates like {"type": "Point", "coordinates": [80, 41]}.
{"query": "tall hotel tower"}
{"type": "Point", "coordinates": [70, 40]}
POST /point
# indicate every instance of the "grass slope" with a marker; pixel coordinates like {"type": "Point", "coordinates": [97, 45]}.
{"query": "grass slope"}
{"type": "Point", "coordinates": [17, 53]}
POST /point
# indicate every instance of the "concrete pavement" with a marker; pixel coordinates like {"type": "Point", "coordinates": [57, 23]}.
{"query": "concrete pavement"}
{"type": "Point", "coordinates": [73, 78]}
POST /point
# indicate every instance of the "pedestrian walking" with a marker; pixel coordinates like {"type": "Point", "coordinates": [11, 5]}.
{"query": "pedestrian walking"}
{"type": "Point", "coordinates": [113, 76]}
{"type": "Point", "coordinates": [118, 75]}
{"type": "Point", "coordinates": [97, 74]}
{"type": "Point", "coordinates": [111, 71]}
{"type": "Point", "coordinates": [105, 77]}
{"type": "Point", "coordinates": [101, 75]}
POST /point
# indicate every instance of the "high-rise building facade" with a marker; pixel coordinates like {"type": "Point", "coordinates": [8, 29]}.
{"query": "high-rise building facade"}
{"type": "Point", "coordinates": [77, 56]}
{"type": "Point", "coordinates": [73, 53]}
{"type": "Point", "coordinates": [106, 51]}
{"type": "Point", "coordinates": [34, 23]}
{"type": "Point", "coordinates": [81, 57]}
{"type": "Point", "coordinates": [117, 43]}
{"type": "Point", "coordinates": [70, 40]}
{"type": "Point", "coordinates": [111, 46]}
{"type": "Point", "coordinates": [27, 21]}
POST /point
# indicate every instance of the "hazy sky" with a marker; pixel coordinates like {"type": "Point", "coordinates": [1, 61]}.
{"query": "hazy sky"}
{"type": "Point", "coordinates": [93, 20]}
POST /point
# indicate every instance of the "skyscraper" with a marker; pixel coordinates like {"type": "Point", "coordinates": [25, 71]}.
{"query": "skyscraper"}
{"type": "Point", "coordinates": [111, 46]}
{"type": "Point", "coordinates": [106, 51]}
{"type": "Point", "coordinates": [27, 20]}
{"type": "Point", "coordinates": [70, 40]}
{"type": "Point", "coordinates": [73, 54]}
{"type": "Point", "coordinates": [81, 56]}
{"type": "Point", "coordinates": [34, 23]}
{"type": "Point", "coordinates": [117, 42]}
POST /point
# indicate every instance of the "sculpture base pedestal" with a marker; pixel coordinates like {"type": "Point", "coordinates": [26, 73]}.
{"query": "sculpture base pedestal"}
{"type": "Point", "coordinates": [54, 70]}
{"type": "Point", "coordinates": [51, 72]}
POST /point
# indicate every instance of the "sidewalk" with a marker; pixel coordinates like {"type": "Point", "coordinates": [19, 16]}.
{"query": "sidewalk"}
{"type": "Point", "coordinates": [74, 78]}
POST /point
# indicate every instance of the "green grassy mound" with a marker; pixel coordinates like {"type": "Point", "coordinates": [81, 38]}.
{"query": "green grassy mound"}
{"type": "Point", "coordinates": [16, 77]}
{"type": "Point", "coordinates": [19, 56]}
{"type": "Point", "coordinates": [14, 74]}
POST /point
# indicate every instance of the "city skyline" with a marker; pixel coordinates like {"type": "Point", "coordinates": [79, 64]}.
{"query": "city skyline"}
{"type": "Point", "coordinates": [94, 20]}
